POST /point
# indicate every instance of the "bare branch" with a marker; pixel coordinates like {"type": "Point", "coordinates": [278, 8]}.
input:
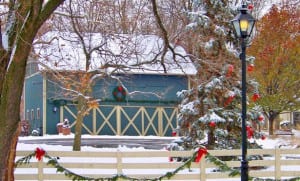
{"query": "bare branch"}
{"type": "Point", "coordinates": [164, 33]}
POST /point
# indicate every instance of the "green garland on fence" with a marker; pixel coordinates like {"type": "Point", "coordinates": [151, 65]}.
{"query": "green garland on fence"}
{"type": "Point", "coordinates": [223, 167]}
{"type": "Point", "coordinates": [54, 162]}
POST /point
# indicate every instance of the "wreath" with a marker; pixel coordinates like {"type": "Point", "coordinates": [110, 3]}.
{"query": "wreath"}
{"type": "Point", "coordinates": [119, 93]}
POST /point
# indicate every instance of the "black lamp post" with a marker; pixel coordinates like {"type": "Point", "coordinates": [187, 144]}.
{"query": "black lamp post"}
{"type": "Point", "coordinates": [243, 25]}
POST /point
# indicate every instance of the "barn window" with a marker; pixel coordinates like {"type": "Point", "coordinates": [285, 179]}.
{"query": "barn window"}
{"type": "Point", "coordinates": [32, 114]}
{"type": "Point", "coordinates": [38, 113]}
{"type": "Point", "coordinates": [27, 114]}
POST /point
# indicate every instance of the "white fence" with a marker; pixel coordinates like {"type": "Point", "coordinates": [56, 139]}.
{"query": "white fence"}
{"type": "Point", "coordinates": [277, 164]}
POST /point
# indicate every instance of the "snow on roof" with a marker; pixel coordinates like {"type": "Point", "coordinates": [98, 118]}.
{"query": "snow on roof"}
{"type": "Point", "coordinates": [140, 54]}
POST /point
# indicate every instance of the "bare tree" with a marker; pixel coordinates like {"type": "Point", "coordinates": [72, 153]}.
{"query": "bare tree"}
{"type": "Point", "coordinates": [108, 43]}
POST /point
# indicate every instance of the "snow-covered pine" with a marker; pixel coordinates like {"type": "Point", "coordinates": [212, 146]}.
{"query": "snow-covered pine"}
{"type": "Point", "coordinates": [216, 98]}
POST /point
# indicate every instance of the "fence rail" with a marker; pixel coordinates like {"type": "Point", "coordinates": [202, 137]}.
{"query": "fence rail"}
{"type": "Point", "coordinates": [277, 164]}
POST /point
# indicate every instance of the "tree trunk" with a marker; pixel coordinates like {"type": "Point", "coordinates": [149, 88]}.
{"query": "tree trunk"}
{"type": "Point", "coordinates": [77, 138]}
{"type": "Point", "coordinates": [272, 116]}
{"type": "Point", "coordinates": [10, 108]}
{"type": "Point", "coordinates": [81, 111]}
{"type": "Point", "coordinates": [271, 126]}
{"type": "Point", "coordinates": [21, 31]}
{"type": "Point", "coordinates": [211, 139]}
{"type": "Point", "coordinates": [11, 157]}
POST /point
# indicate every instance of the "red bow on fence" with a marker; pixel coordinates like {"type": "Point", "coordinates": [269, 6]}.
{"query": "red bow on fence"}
{"type": "Point", "coordinates": [39, 153]}
{"type": "Point", "coordinates": [201, 152]}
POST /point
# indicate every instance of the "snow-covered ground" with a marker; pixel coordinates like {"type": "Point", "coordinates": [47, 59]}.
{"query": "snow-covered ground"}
{"type": "Point", "coordinates": [282, 141]}
{"type": "Point", "coordinates": [270, 142]}
{"type": "Point", "coordinates": [25, 146]}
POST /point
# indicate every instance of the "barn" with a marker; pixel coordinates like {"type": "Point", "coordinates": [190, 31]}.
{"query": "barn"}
{"type": "Point", "coordinates": [145, 103]}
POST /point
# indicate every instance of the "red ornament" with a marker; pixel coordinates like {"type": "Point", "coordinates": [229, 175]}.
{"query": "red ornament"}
{"type": "Point", "coordinates": [39, 153]}
{"type": "Point", "coordinates": [229, 100]}
{"type": "Point", "coordinates": [261, 117]}
{"type": "Point", "coordinates": [230, 69]}
{"type": "Point", "coordinates": [250, 7]}
{"type": "Point", "coordinates": [263, 137]}
{"type": "Point", "coordinates": [250, 132]}
{"type": "Point", "coordinates": [212, 124]}
{"type": "Point", "coordinates": [201, 152]}
{"type": "Point", "coordinates": [255, 97]}
{"type": "Point", "coordinates": [250, 67]}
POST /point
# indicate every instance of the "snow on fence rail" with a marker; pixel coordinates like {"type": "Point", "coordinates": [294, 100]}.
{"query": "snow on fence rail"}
{"type": "Point", "coordinates": [276, 164]}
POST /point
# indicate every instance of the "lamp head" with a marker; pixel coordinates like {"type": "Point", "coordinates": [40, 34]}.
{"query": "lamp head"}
{"type": "Point", "coordinates": [243, 23]}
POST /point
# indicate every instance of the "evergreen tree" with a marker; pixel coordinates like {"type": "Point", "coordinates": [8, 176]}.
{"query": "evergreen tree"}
{"type": "Point", "coordinates": [210, 112]}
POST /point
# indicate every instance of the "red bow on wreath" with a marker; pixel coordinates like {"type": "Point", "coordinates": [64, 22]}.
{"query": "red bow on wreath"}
{"type": "Point", "coordinates": [201, 152]}
{"type": "Point", "coordinates": [39, 153]}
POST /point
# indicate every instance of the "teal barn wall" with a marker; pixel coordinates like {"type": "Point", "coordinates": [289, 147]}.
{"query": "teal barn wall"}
{"type": "Point", "coordinates": [149, 91]}
{"type": "Point", "coordinates": [34, 102]}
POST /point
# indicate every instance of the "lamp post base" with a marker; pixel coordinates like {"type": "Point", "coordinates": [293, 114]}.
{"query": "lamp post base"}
{"type": "Point", "coordinates": [244, 170]}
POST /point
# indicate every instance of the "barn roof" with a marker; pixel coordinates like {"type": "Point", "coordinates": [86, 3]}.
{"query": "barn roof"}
{"type": "Point", "coordinates": [139, 54]}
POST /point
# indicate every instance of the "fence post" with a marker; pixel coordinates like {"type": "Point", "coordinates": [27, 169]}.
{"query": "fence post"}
{"type": "Point", "coordinates": [40, 170]}
{"type": "Point", "coordinates": [277, 164]}
{"type": "Point", "coordinates": [202, 169]}
{"type": "Point", "coordinates": [119, 162]}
